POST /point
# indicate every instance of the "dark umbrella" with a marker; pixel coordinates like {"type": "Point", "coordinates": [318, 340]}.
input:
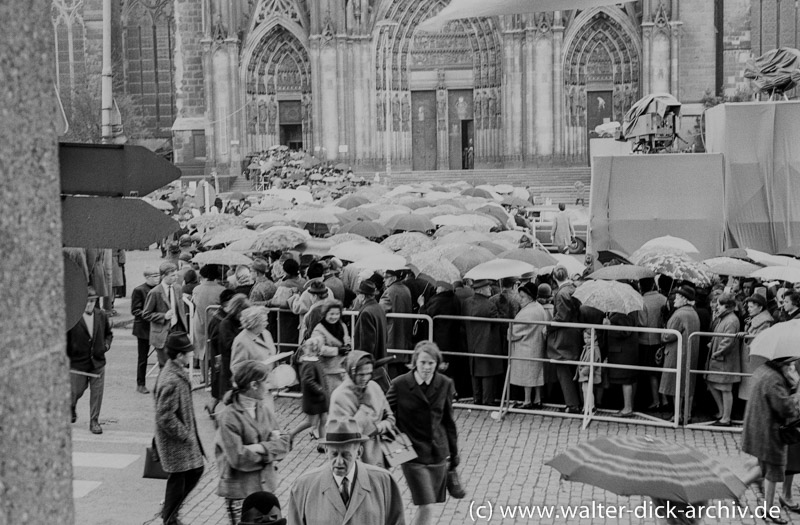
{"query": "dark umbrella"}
{"type": "Point", "coordinates": [477, 192]}
{"type": "Point", "coordinates": [607, 256]}
{"type": "Point", "coordinates": [352, 201]}
{"type": "Point", "coordinates": [368, 229]}
{"type": "Point", "coordinates": [642, 465]}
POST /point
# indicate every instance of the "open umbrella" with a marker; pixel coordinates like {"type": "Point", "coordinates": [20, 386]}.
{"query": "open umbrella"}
{"type": "Point", "coordinates": [499, 269]}
{"type": "Point", "coordinates": [410, 222]}
{"type": "Point", "coordinates": [279, 238]}
{"type": "Point", "coordinates": [341, 166]}
{"type": "Point", "coordinates": [242, 245]}
{"type": "Point", "coordinates": [777, 341]}
{"type": "Point", "coordinates": [339, 238]}
{"type": "Point", "coordinates": [413, 242]}
{"type": "Point", "coordinates": [537, 258]}
{"type": "Point", "coordinates": [470, 220]}
{"type": "Point", "coordinates": [236, 196]}
{"type": "Point", "coordinates": [268, 218]}
{"type": "Point", "coordinates": [730, 266]}
{"type": "Point", "coordinates": [779, 273]}
{"type": "Point", "coordinates": [503, 189]}
{"type": "Point", "coordinates": [609, 296]}
{"type": "Point", "coordinates": [613, 256]}
{"type": "Point", "coordinates": [225, 257]}
{"type": "Point", "coordinates": [213, 220]}
{"type": "Point", "coordinates": [317, 216]}
{"type": "Point", "coordinates": [385, 261]}
{"type": "Point", "coordinates": [357, 250]}
{"type": "Point", "coordinates": [161, 204]}
{"type": "Point", "coordinates": [670, 242]}
{"type": "Point", "coordinates": [298, 196]}
{"type": "Point", "coordinates": [494, 211]}
{"type": "Point", "coordinates": [358, 214]}
{"type": "Point", "coordinates": [439, 209]}
{"type": "Point", "coordinates": [466, 256]}
{"type": "Point", "coordinates": [493, 247]}
{"type": "Point", "coordinates": [436, 267]}
{"type": "Point", "coordinates": [318, 247]}
{"type": "Point", "coordinates": [463, 237]}
{"type": "Point", "coordinates": [477, 192]}
{"type": "Point", "coordinates": [642, 465]}
{"type": "Point", "coordinates": [622, 272]}
{"type": "Point", "coordinates": [515, 202]}
{"type": "Point", "coordinates": [679, 267]}
{"type": "Point", "coordinates": [229, 236]}
{"type": "Point", "coordinates": [368, 229]}
{"type": "Point", "coordinates": [352, 201]}
{"type": "Point", "coordinates": [573, 266]}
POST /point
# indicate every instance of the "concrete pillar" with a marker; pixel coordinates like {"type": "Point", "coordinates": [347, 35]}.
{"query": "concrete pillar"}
{"type": "Point", "coordinates": [442, 138]}
{"type": "Point", "coordinates": [544, 95]}
{"type": "Point", "coordinates": [35, 435]}
{"type": "Point", "coordinates": [530, 73]}
{"type": "Point", "coordinates": [237, 116]}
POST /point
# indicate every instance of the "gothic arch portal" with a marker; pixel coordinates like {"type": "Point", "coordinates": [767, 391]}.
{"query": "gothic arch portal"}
{"type": "Point", "coordinates": [603, 56]}
{"type": "Point", "coordinates": [277, 82]}
{"type": "Point", "coordinates": [471, 46]}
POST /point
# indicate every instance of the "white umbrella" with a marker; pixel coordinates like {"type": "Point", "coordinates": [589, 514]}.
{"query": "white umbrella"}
{"type": "Point", "coordinates": [499, 269]}
{"type": "Point", "coordinates": [780, 273]}
{"type": "Point", "coordinates": [669, 242]}
{"type": "Point", "coordinates": [289, 195]}
{"type": "Point", "coordinates": [226, 257]}
{"type": "Point", "coordinates": [385, 261]}
{"type": "Point", "coordinates": [609, 296]}
{"type": "Point", "coordinates": [357, 250]}
{"type": "Point", "coordinates": [777, 341]}
{"type": "Point", "coordinates": [569, 262]}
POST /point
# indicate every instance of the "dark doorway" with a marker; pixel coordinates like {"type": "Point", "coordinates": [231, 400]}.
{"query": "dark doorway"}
{"type": "Point", "coordinates": [459, 111]}
{"type": "Point", "coordinates": [467, 145]}
{"type": "Point", "coordinates": [599, 110]}
{"type": "Point", "coordinates": [292, 136]}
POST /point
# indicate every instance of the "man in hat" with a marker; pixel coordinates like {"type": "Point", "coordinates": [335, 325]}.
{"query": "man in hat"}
{"type": "Point", "coordinates": [758, 320]}
{"type": "Point", "coordinates": [447, 335]}
{"type": "Point", "coordinates": [87, 344]}
{"type": "Point", "coordinates": [345, 491]}
{"type": "Point", "coordinates": [177, 440]}
{"type": "Point", "coordinates": [371, 327]}
{"type": "Point", "coordinates": [483, 338]}
{"type": "Point", "coordinates": [164, 310]}
{"type": "Point", "coordinates": [565, 344]}
{"type": "Point", "coordinates": [263, 289]}
{"type": "Point", "coordinates": [396, 299]}
{"type": "Point", "coordinates": [141, 327]}
{"type": "Point", "coordinates": [333, 270]}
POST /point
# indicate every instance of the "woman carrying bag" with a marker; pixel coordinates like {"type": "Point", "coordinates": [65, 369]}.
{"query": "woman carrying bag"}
{"type": "Point", "coordinates": [249, 441]}
{"type": "Point", "coordinates": [422, 401]}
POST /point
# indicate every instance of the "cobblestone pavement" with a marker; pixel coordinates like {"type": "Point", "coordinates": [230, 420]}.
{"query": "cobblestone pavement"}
{"type": "Point", "coordinates": [502, 463]}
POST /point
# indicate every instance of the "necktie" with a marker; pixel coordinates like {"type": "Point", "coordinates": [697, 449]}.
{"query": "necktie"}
{"type": "Point", "coordinates": [345, 490]}
{"type": "Point", "coordinates": [174, 320]}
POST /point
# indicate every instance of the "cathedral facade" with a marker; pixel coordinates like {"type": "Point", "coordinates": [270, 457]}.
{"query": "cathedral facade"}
{"type": "Point", "coordinates": [356, 81]}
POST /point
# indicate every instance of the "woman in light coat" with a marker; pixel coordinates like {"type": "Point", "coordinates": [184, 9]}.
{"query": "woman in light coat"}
{"type": "Point", "coordinates": [363, 399]}
{"type": "Point", "coordinates": [249, 442]}
{"type": "Point", "coordinates": [254, 342]}
{"type": "Point", "coordinates": [528, 341]}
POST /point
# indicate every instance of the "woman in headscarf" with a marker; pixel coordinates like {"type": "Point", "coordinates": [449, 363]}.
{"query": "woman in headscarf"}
{"type": "Point", "coordinates": [249, 441]}
{"type": "Point", "coordinates": [334, 343]}
{"type": "Point", "coordinates": [360, 397]}
{"type": "Point", "coordinates": [254, 342]}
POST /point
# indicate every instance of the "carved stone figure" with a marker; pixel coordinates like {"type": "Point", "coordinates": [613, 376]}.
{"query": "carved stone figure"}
{"type": "Point", "coordinates": [485, 109]}
{"type": "Point", "coordinates": [252, 117]}
{"type": "Point", "coordinates": [441, 109]}
{"type": "Point", "coordinates": [381, 113]}
{"type": "Point", "coordinates": [492, 124]}
{"type": "Point", "coordinates": [421, 114]}
{"type": "Point", "coordinates": [306, 102]}
{"type": "Point", "coordinates": [273, 115]}
{"type": "Point", "coordinates": [477, 99]}
{"type": "Point", "coordinates": [461, 108]}
{"type": "Point", "coordinates": [406, 113]}
{"type": "Point", "coordinates": [262, 116]}
{"type": "Point", "coordinates": [396, 112]}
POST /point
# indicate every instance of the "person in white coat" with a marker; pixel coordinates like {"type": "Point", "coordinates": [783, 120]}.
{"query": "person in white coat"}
{"type": "Point", "coordinates": [528, 341]}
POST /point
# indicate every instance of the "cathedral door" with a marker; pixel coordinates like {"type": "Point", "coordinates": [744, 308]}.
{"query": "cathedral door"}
{"type": "Point", "coordinates": [599, 110]}
{"type": "Point", "coordinates": [459, 112]}
{"type": "Point", "coordinates": [423, 130]}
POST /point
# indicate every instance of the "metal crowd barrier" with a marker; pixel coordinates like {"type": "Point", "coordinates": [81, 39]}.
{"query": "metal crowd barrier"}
{"type": "Point", "coordinates": [698, 371]}
{"type": "Point", "coordinates": [588, 414]}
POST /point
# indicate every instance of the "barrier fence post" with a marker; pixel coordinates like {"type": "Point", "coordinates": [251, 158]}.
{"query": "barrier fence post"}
{"type": "Point", "coordinates": [588, 402]}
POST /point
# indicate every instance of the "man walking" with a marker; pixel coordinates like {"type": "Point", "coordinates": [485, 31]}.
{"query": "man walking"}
{"type": "Point", "coordinates": [563, 231]}
{"type": "Point", "coordinates": [164, 310]}
{"type": "Point", "coordinates": [141, 328]}
{"type": "Point", "coordinates": [87, 343]}
{"type": "Point", "coordinates": [345, 491]}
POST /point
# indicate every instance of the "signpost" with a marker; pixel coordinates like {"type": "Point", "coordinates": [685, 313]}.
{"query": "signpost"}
{"type": "Point", "coordinates": [99, 205]}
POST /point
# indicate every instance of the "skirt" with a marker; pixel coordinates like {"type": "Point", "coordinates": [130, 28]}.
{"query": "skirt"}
{"type": "Point", "coordinates": [427, 483]}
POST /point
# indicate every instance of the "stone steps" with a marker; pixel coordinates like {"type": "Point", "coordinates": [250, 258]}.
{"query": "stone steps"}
{"type": "Point", "coordinates": [241, 184]}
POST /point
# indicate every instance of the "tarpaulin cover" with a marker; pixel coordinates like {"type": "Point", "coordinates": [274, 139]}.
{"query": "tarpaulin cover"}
{"type": "Point", "coordinates": [775, 70]}
{"type": "Point", "coordinates": [658, 103]}
{"type": "Point", "coordinates": [759, 141]}
{"type": "Point", "coordinates": [479, 8]}
{"type": "Point", "coordinates": [638, 197]}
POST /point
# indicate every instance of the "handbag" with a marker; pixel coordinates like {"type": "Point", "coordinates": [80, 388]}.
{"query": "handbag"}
{"type": "Point", "coordinates": [454, 487]}
{"type": "Point", "coordinates": [398, 450]}
{"type": "Point", "coordinates": [152, 464]}
{"type": "Point", "coordinates": [790, 432]}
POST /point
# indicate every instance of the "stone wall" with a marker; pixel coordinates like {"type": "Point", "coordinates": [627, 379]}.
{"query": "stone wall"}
{"type": "Point", "coordinates": [697, 51]}
{"type": "Point", "coordinates": [737, 45]}
{"type": "Point", "coordinates": [189, 77]}
{"type": "Point", "coordinates": [35, 435]}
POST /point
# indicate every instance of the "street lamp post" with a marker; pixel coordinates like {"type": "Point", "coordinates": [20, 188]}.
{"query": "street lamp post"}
{"type": "Point", "coordinates": [388, 109]}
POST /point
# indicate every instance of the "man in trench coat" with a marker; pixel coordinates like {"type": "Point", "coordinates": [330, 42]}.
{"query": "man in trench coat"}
{"type": "Point", "coordinates": [345, 491]}
{"type": "Point", "coordinates": [483, 338]}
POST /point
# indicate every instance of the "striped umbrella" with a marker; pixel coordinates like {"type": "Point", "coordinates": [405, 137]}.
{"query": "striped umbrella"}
{"type": "Point", "coordinates": [643, 465]}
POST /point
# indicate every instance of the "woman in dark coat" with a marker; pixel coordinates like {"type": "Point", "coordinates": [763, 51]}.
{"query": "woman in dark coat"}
{"type": "Point", "coordinates": [772, 404]}
{"type": "Point", "coordinates": [623, 349]}
{"type": "Point", "coordinates": [214, 357]}
{"type": "Point", "coordinates": [229, 328]}
{"type": "Point", "coordinates": [422, 401]}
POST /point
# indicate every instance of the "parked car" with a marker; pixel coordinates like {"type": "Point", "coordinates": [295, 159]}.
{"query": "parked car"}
{"type": "Point", "coordinates": [541, 217]}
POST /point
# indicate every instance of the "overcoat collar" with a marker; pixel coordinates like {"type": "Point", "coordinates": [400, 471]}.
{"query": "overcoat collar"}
{"type": "Point", "coordinates": [360, 489]}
